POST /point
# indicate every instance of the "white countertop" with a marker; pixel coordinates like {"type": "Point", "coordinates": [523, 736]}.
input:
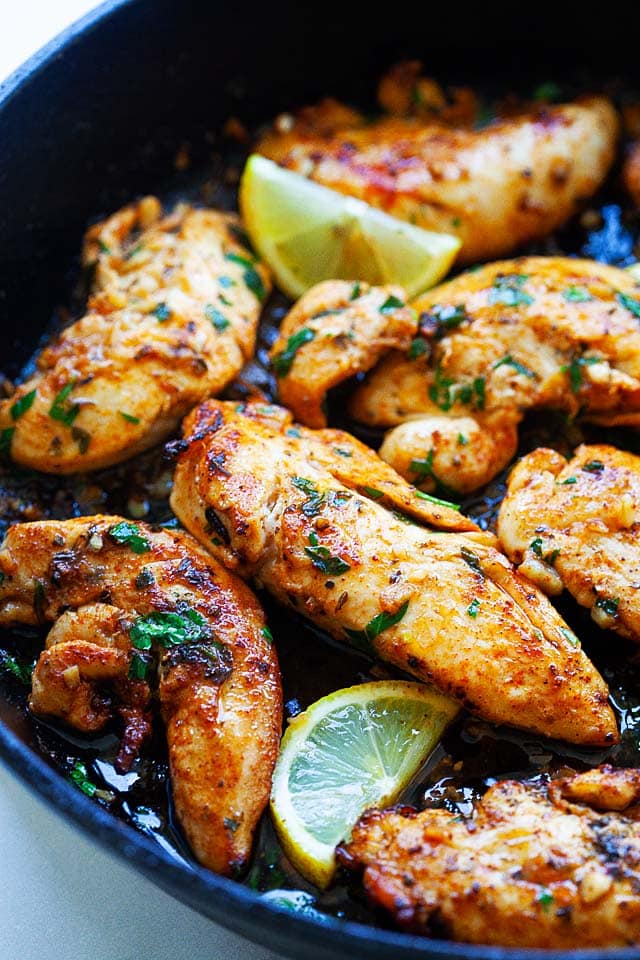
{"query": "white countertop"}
{"type": "Point", "coordinates": [63, 898]}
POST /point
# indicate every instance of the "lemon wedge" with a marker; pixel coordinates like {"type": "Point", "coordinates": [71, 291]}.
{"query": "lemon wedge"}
{"type": "Point", "coordinates": [356, 748]}
{"type": "Point", "coordinates": [307, 233]}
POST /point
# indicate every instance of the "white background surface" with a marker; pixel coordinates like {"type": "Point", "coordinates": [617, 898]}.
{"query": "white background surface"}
{"type": "Point", "coordinates": [61, 897]}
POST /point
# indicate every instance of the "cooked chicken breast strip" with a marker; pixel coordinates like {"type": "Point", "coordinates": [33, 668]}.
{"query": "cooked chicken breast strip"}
{"type": "Point", "coordinates": [171, 320]}
{"type": "Point", "coordinates": [273, 501]}
{"type": "Point", "coordinates": [537, 865]}
{"type": "Point", "coordinates": [497, 188]}
{"type": "Point", "coordinates": [118, 595]}
{"type": "Point", "coordinates": [577, 525]}
{"type": "Point", "coordinates": [538, 332]}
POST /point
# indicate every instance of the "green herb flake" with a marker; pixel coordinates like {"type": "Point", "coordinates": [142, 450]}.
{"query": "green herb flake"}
{"type": "Point", "coordinates": [372, 492]}
{"type": "Point", "coordinates": [608, 605]}
{"type": "Point", "coordinates": [230, 824]}
{"type": "Point", "coordinates": [293, 432]}
{"type": "Point", "coordinates": [134, 251]}
{"type": "Point", "coordinates": [536, 546]}
{"type": "Point", "coordinates": [266, 633]}
{"type": "Point", "coordinates": [447, 316]}
{"type": "Point", "coordinates": [311, 506]}
{"type": "Point", "coordinates": [440, 503]}
{"type": "Point", "coordinates": [250, 276]}
{"type": "Point", "coordinates": [363, 639]}
{"type": "Point", "coordinates": [574, 369]}
{"type": "Point", "coordinates": [570, 636]}
{"type": "Point", "coordinates": [462, 440]}
{"type": "Point", "coordinates": [215, 317]}
{"type": "Point", "coordinates": [162, 312]}
{"type": "Point", "coordinates": [545, 899]}
{"type": "Point", "coordinates": [61, 409]}
{"type": "Point", "coordinates": [169, 629]}
{"type": "Point", "coordinates": [129, 417]}
{"type": "Point", "coordinates": [283, 361]}
{"type": "Point", "coordinates": [355, 291]}
{"type": "Point", "coordinates": [569, 480]}
{"type": "Point", "coordinates": [507, 290]}
{"type": "Point", "coordinates": [18, 669]}
{"type": "Point", "coordinates": [138, 667]}
{"type": "Point", "coordinates": [22, 405]}
{"type": "Point", "coordinates": [6, 436]}
{"type": "Point", "coordinates": [473, 608]}
{"type": "Point", "coordinates": [577, 295]}
{"type": "Point", "coordinates": [471, 560]}
{"type": "Point", "coordinates": [391, 303]}
{"type": "Point", "coordinates": [79, 775]}
{"type": "Point", "coordinates": [128, 534]}
{"type": "Point", "coordinates": [323, 560]}
{"type": "Point", "coordinates": [342, 452]}
{"type": "Point", "coordinates": [226, 282]}
{"type": "Point", "coordinates": [594, 466]}
{"type": "Point", "coordinates": [629, 303]}
{"type": "Point", "coordinates": [418, 348]}
{"type": "Point", "coordinates": [103, 247]}
{"type": "Point", "coordinates": [508, 361]}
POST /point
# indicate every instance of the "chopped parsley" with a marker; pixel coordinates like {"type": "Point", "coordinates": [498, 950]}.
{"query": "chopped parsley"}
{"type": "Point", "coordinates": [508, 361]}
{"type": "Point", "coordinates": [363, 639]}
{"type": "Point", "coordinates": [61, 409]}
{"type": "Point", "coordinates": [577, 295]}
{"type": "Point", "coordinates": [215, 317]}
{"type": "Point", "coordinates": [608, 605]}
{"type": "Point", "coordinates": [138, 667]}
{"type": "Point", "coordinates": [570, 636]}
{"type": "Point", "coordinates": [418, 348]}
{"type": "Point", "coordinates": [21, 670]}
{"type": "Point", "coordinates": [230, 824]}
{"type": "Point", "coordinates": [79, 775]}
{"type": "Point", "coordinates": [545, 899]}
{"type": "Point", "coordinates": [283, 361]}
{"type": "Point", "coordinates": [629, 303]}
{"type": "Point", "coordinates": [226, 282]}
{"type": "Point", "coordinates": [129, 417]}
{"type": "Point", "coordinates": [372, 492]}
{"type": "Point", "coordinates": [162, 312]}
{"type": "Point", "coordinates": [447, 317]}
{"type": "Point", "coordinates": [250, 276]}
{"type": "Point", "coordinates": [266, 633]}
{"type": "Point", "coordinates": [342, 452]}
{"type": "Point", "coordinates": [471, 560]}
{"type": "Point", "coordinates": [169, 629]}
{"type": "Point", "coordinates": [322, 558]}
{"type": "Point", "coordinates": [536, 546]}
{"type": "Point", "coordinates": [128, 534]}
{"type": "Point", "coordinates": [462, 440]}
{"type": "Point", "coordinates": [507, 290]}
{"type": "Point", "coordinates": [473, 608]}
{"type": "Point", "coordinates": [574, 369]}
{"type": "Point", "coordinates": [6, 436]}
{"type": "Point", "coordinates": [355, 291]}
{"type": "Point", "coordinates": [441, 503]}
{"type": "Point", "coordinates": [445, 392]}
{"type": "Point", "coordinates": [391, 303]}
{"type": "Point", "coordinates": [22, 405]}
{"type": "Point", "coordinates": [594, 466]}
{"type": "Point", "coordinates": [564, 483]}
{"type": "Point", "coordinates": [311, 506]}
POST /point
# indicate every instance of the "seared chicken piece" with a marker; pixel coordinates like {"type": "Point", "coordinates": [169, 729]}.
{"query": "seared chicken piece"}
{"type": "Point", "coordinates": [497, 188]}
{"type": "Point", "coordinates": [577, 525]}
{"type": "Point", "coordinates": [351, 325]}
{"type": "Point", "coordinates": [273, 501]}
{"type": "Point", "coordinates": [120, 595]}
{"type": "Point", "coordinates": [538, 865]}
{"type": "Point", "coordinates": [171, 320]}
{"type": "Point", "coordinates": [538, 332]}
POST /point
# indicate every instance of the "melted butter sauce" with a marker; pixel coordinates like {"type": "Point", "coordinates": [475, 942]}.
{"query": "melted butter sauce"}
{"type": "Point", "coordinates": [472, 754]}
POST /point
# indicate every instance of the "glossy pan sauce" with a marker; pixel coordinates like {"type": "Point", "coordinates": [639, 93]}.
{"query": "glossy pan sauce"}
{"type": "Point", "coordinates": [472, 753]}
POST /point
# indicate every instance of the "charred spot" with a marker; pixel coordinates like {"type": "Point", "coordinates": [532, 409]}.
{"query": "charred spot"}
{"type": "Point", "coordinates": [196, 576]}
{"type": "Point", "coordinates": [216, 525]}
{"type": "Point", "coordinates": [174, 448]}
{"type": "Point", "coordinates": [215, 463]}
{"type": "Point", "coordinates": [62, 564]}
{"type": "Point", "coordinates": [214, 660]}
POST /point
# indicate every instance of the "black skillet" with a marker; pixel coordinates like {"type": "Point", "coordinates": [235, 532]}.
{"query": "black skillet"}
{"type": "Point", "coordinates": [97, 117]}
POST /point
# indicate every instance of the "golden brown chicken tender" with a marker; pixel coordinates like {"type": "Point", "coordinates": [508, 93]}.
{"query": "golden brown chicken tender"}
{"type": "Point", "coordinates": [171, 319]}
{"type": "Point", "coordinates": [537, 865]}
{"type": "Point", "coordinates": [284, 505]}
{"type": "Point", "coordinates": [122, 597]}
{"type": "Point", "coordinates": [576, 524]}
{"type": "Point", "coordinates": [496, 188]}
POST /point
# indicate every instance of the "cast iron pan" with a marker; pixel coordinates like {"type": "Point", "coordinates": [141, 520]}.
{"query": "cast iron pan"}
{"type": "Point", "coordinates": [95, 119]}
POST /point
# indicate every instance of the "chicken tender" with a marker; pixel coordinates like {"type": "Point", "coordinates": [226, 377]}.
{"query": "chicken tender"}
{"type": "Point", "coordinates": [171, 319]}
{"type": "Point", "coordinates": [121, 597]}
{"type": "Point", "coordinates": [496, 188]}
{"type": "Point", "coordinates": [277, 502]}
{"type": "Point", "coordinates": [537, 865]}
{"type": "Point", "coordinates": [577, 525]}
